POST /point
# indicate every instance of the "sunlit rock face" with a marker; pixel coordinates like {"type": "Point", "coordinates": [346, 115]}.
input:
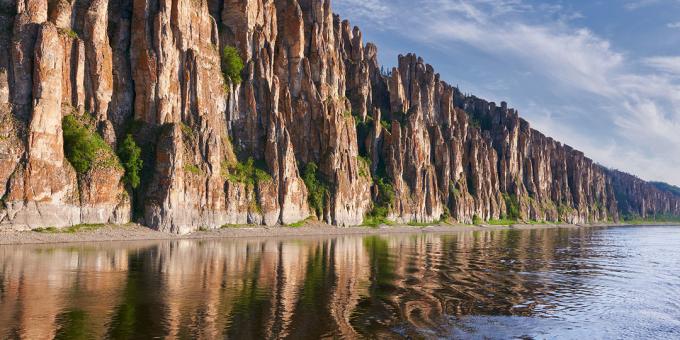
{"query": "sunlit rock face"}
{"type": "Point", "coordinates": [311, 92]}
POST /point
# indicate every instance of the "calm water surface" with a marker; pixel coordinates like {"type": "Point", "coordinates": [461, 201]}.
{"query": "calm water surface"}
{"type": "Point", "coordinates": [609, 283]}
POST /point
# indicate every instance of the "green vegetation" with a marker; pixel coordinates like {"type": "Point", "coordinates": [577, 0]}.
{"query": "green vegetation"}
{"type": "Point", "coordinates": [637, 219]}
{"type": "Point", "coordinates": [364, 167]}
{"type": "Point", "coordinates": [299, 224]}
{"type": "Point", "coordinates": [420, 224]}
{"type": "Point", "coordinates": [68, 32]}
{"type": "Point", "coordinates": [453, 189]}
{"type": "Point", "coordinates": [145, 137]}
{"type": "Point", "coordinates": [385, 124]}
{"type": "Point", "coordinates": [381, 206]}
{"type": "Point", "coordinates": [534, 222]}
{"type": "Point", "coordinates": [187, 131]}
{"type": "Point", "coordinates": [249, 173]}
{"type": "Point", "coordinates": [317, 188]}
{"type": "Point", "coordinates": [232, 64]}
{"type": "Point", "coordinates": [69, 230]}
{"type": "Point", "coordinates": [130, 155]}
{"type": "Point", "coordinates": [192, 168]}
{"type": "Point", "coordinates": [564, 210]}
{"type": "Point", "coordinates": [229, 226]}
{"type": "Point", "coordinates": [446, 215]}
{"type": "Point", "coordinates": [666, 187]}
{"type": "Point", "coordinates": [502, 221]}
{"type": "Point", "coordinates": [512, 206]}
{"type": "Point", "coordinates": [480, 121]}
{"type": "Point", "coordinates": [474, 122]}
{"type": "Point", "coordinates": [476, 220]}
{"type": "Point", "coordinates": [85, 148]}
{"type": "Point", "coordinates": [442, 219]}
{"type": "Point", "coordinates": [375, 218]}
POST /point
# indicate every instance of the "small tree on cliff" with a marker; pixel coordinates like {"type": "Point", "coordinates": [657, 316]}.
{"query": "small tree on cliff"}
{"type": "Point", "coordinates": [232, 64]}
{"type": "Point", "coordinates": [131, 156]}
{"type": "Point", "coordinates": [84, 148]}
{"type": "Point", "coordinates": [316, 187]}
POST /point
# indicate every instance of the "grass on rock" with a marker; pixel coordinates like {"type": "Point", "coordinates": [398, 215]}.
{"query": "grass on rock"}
{"type": "Point", "coordinates": [299, 224]}
{"type": "Point", "coordinates": [85, 148]}
{"type": "Point", "coordinates": [502, 221]}
{"type": "Point", "coordinates": [249, 173]}
{"type": "Point", "coordinates": [70, 230]}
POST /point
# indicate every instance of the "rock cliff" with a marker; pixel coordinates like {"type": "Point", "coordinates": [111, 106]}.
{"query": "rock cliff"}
{"type": "Point", "coordinates": [313, 127]}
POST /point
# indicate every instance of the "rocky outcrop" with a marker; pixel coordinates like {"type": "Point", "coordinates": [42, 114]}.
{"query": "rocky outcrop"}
{"type": "Point", "coordinates": [218, 151]}
{"type": "Point", "coordinates": [639, 199]}
{"type": "Point", "coordinates": [41, 188]}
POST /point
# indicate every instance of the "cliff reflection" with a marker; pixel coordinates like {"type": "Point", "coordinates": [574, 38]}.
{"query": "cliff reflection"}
{"type": "Point", "coordinates": [343, 287]}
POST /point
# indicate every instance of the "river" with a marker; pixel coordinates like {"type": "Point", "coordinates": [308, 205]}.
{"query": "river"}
{"type": "Point", "coordinates": [588, 283]}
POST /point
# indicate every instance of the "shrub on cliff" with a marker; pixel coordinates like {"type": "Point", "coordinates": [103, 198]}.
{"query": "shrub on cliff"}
{"type": "Point", "coordinates": [386, 194]}
{"type": "Point", "coordinates": [476, 220]}
{"type": "Point", "coordinates": [83, 147]}
{"type": "Point", "coordinates": [364, 166]}
{"type": "Point", "coordinates": [512, 206]}
{"type": "Point", "coordinates": [317, 188]}
{"type": "Point", "coordinates": [130, 155]}
{"type": "Point", "coordinates": [232, 64]}
{"type": "Point", "coordinates": [382, 204]}
{"type": "Point", "coordinates": [249, 173]}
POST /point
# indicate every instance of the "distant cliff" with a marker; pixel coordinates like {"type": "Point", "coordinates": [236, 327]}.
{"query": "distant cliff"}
{"type": "Point", "coordinates": [311, 128]}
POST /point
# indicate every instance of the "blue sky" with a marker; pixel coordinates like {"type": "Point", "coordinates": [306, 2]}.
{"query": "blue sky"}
{"type": "Point", "coordinates": [601, 76]}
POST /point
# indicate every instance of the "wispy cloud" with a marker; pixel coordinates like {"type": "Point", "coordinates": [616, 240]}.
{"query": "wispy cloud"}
{"type": "Point", "coordinates": [673, 25]}
{"type": "Point", "coordinates": [621, 115]}
{"type": "Point", "coordinates": [637, 4]}
{"type": "Point", "coordinates": [670, 65]}
{"type": "Point", "coordinates": [376, 10]}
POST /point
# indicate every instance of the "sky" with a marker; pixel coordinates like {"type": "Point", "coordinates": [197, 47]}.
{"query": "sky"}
{"type": "Point", "coordinates": [600, 76]}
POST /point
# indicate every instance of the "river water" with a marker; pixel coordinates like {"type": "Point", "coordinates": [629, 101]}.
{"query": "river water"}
{"type": "Point", "coordinates": [595, 283]}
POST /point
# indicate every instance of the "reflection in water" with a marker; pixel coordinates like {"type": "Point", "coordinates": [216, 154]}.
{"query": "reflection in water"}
{"type": "Point", "coordinates": [616, 282]}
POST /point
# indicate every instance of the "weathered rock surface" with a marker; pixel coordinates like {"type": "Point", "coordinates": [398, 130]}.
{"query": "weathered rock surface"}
{"type": "Point", "coordinates": [40, 187]}
{"type": "Point", "coordinates": [311, 92]}
{"type": "Point", "coordinates": [638, 198]}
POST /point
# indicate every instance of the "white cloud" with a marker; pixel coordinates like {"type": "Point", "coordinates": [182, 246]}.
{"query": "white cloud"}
{"type": "Point", "coordinates": [578, 57]}
{"type": "Point", "coordinates": [669, 65]}
{"type": "Point", "coordinates": [637, 112]}
{"type": "Point", "coordinates": [673, 25]}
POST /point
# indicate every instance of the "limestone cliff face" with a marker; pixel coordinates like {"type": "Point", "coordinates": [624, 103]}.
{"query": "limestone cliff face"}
{"type": "Point", "coordinates": [311, 92]}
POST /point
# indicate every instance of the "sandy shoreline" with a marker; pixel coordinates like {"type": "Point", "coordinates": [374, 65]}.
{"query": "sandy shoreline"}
{"type": "Point", "coordinates": [133, 232]}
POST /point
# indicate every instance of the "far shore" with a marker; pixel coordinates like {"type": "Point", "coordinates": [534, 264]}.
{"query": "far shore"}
{"type": "Point", "coordinates": [135, 232]}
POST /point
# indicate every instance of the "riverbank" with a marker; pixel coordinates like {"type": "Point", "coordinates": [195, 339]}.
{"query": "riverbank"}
{"type": "Point", "coordinates": [135, 232]}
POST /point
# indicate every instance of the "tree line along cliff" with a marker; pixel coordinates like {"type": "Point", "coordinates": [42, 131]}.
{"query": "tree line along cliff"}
{"type": "Point", "coordinates": [312, 127]}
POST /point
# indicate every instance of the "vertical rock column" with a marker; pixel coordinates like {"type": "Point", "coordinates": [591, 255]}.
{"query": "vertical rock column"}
{"type": "Point", "coordinates": [45, 192]}
{"type": "Point", "coordinates": [258, 128]}
{"type": "Point", "coordinates": [48, 55]}
{"type": "Point", "coordinates": [180, 95]}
